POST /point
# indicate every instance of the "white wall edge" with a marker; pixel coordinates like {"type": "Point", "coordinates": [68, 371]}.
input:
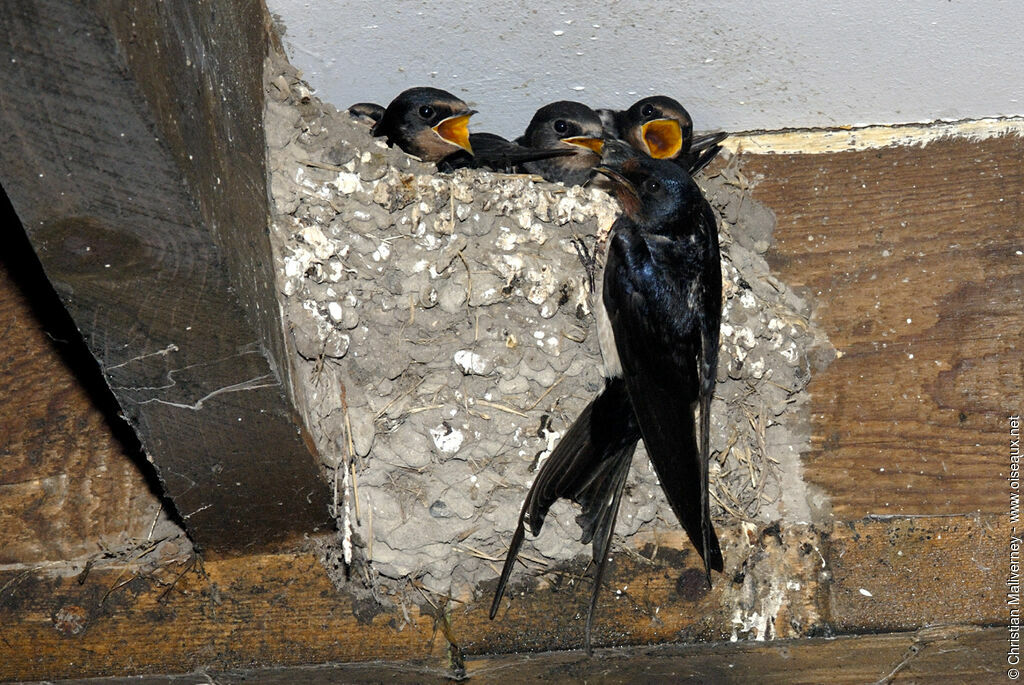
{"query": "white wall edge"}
{"type": "Point", "coordinates": [845, 139]}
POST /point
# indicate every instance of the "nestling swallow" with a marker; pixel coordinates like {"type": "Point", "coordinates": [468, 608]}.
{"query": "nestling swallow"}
{"type": "Point", "coordinates": [658, 319]}
{"type": "Point", "coordinates": [565, 125]}
{"type": "Point", "coordinates": [661, 128]}
{"type": "Point", "coordinates": [426, 122]}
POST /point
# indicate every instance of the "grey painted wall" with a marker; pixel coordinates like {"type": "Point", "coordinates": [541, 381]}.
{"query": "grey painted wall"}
{"type": "Point", "coordinates": [734, 65]}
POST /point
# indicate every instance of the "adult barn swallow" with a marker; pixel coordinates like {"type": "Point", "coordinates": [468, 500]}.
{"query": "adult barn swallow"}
{"type": "Point", "coordinates": [661, 128]}
{"type": "Point", "coordinates": [432, 124]}
{"type": "Point", "coordinates": [658, 318]}
{"type": "Point", "coordinates": [564, 125]}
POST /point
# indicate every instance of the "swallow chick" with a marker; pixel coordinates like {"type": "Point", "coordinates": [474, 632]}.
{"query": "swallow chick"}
{"type": "Point", "coordinates": [658, 326]}
{"type": "Point", "coordinates": [432, 124]}
{"type": "Point", "coordinates": [661, 128]}
{"type": "Point", "coordinates": [428, 123]}
{"type": "Point", "coordinates": [569, 126]}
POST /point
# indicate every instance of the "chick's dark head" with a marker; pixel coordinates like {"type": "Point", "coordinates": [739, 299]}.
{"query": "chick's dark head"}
{"type": "Point", "coordinates": [429, 123]}
{"type": "Point", "coordinates": [659, 126]}
{"type": "Point", "coordinates": [566, 124]}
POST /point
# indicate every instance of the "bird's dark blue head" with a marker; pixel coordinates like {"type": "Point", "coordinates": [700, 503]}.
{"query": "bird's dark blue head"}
{"type": "Point", "coordinates": [660, 126]}
{"type": "Point", "coordinates": [427, 122]}
{"type": "Point", "coordinates": [565, 124]}
{"type": "Point", "coordinates": [655, 194]}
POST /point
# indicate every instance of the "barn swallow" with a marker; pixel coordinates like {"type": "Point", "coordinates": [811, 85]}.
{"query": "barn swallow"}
{"type": "Point", "coordinates": [564, 125]}
{"type": "Point", "coordinates": [432, 124]}
{"type": "Point", "coordinates": [661, 128]}
{"type": "Point", "coordinates": [426, 122]}
{"type": "Point", "coordinates": [658, 317]}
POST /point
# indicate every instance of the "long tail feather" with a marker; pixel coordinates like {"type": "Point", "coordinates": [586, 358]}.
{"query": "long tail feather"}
{"type": "Point", "coordinates": [589, 466]}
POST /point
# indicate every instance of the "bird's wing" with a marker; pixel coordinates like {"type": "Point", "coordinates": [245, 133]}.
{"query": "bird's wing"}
{"type": "Point", "coordinates": [493, 152]}
{"type": "Point", "coordinates": [703, 141]}
{"type": "Point", "coordinates": [659, 345]}
{"type": "Point", "coordinates": [589, 465]}
{"type": "Point", "coordinates": [707, 368]}
{"type": "Point", "coordinates": [704, 148]}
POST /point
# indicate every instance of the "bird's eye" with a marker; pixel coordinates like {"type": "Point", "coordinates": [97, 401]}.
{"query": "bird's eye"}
{"type": "Point", "coordinates": [651, 185]}
{"type": "Point", "coordinates": [560, 126]}
{"type": "Point", "coordinates": [647, 111]}
{"type": "Point", "coordinates": [426, 112]}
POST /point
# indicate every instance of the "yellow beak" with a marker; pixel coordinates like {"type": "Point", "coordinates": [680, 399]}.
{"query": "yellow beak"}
{"type": "Point", "coordinates": [593, 144]}
{"type": "Point", "coordinates": [455, 130]}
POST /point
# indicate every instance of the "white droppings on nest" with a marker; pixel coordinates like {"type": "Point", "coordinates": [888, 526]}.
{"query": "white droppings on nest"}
{"type": "Point", "coordinates": [447, 439]}
{"type": "Point", "coordinates": [472, 363]}
{"type": "Point", "coordinates": [443, 340]}
{"type": "Point", "coordinates": [348, 183]}
{"type": "Point", "coordinates": [551, 438]}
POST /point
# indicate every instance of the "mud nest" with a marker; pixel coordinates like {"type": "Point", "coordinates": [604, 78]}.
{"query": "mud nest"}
{"type": "Point", "coordinates": [442, 341]}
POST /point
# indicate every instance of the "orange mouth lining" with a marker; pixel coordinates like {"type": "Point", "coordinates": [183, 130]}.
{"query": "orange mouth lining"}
{"type": "Point", "coordinates": [663, 138]}
{"type": "Point", "coordinates": [455, 130]}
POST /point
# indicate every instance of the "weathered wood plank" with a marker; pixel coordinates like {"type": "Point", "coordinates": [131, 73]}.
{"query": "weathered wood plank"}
{"type": "Point", "coordinates": [282, 609]}
{"type": "Point", "coordinates": [905, 572]}
{"type": "Point", "coordinates": [214, 131]}
{"type": "Point", "coordinates": [142, 251]}
{"type": "Point", "coordinates": [69, 483]}
{"type": "Point", "coordinates": [947, 654]}
{"type": "Point", "coordinates": [913, 257]}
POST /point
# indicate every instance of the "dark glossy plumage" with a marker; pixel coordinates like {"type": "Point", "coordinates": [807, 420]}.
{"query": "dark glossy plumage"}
{"type": "Point", "coordinates": [569, 126]}
{"type": "Point", "coordinates": [491, 151]}
{"type": "Point", "coordinates": [660, 127]}
{"type": "Point", "coordinates": [658, 328]}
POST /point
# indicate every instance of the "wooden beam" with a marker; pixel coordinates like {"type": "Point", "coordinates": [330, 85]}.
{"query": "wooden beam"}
{"type": "Point", "coordinates": [913, 258]}
{"type": "Point", "coordinates": [131, 148]}
{"type": "Point", "coordinates": [940, 654]}
{"type": "Point", "coordinates": [947, 653]}
{"type": "Point", "coordinates": [70, 482]}
{"type": "Point", "coordinates": [902, 573]}
{"type": "Point", "coordinates": [168, 614]}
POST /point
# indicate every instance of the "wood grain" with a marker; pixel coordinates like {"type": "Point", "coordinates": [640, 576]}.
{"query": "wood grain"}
{"type": "Point", "coordinates": [70, 483]}
{"type": "Point", "coordinates": [947, 654]}
{"type": "Point", "coordinates": [138, 249]}
{"type": "Point", "coordinates": [906, 572]}
{"type": "Point", "coordinates": [214, 131]}
{"type": "Point", "coordinates": [913, 258]}
{"type": "Point", "coordinates": [282, 609]}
